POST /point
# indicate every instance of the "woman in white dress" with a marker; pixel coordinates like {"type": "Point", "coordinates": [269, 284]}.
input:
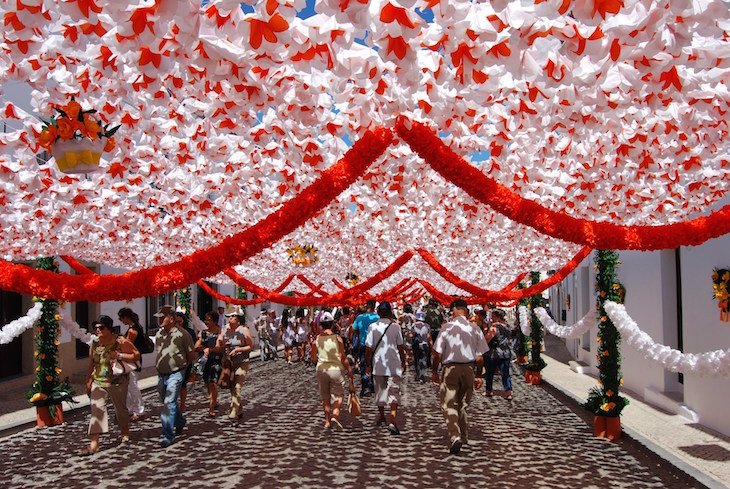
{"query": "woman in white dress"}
{"type": "Point", "coordinates": [288, 336]}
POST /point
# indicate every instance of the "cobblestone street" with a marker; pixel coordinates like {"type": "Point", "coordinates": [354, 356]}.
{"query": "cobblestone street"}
{"type": "Point", "coordinates": [540, 439]}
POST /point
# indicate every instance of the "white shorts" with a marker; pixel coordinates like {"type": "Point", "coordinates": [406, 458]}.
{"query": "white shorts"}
{"type": "Point", "coordinates": [387, 390]}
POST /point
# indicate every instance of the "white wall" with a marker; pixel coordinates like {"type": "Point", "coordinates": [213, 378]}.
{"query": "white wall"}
{"type": "Point", "coordinates": [650, 284]}
{"type": "Point", "coordinates": [703, 330]}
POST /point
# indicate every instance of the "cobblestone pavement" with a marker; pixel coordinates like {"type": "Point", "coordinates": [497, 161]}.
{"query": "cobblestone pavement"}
{"type": "Point", "coordinates": [541, 439]}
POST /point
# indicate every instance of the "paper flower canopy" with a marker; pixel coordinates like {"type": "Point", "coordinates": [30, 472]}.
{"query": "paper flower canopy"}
{"type": "Point", "coordinates": [614, 116]}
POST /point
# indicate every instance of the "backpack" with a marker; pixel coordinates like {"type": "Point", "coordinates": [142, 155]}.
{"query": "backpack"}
{"type": "Point", "coordinates": [144, 343]}
{"type": "Point", "coordinates": [434, 319]}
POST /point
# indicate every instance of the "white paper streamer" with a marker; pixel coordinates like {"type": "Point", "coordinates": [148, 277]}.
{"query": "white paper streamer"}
{"type": "Point", "coordinates": [524, 315]}
{"type": "Point", "coordinates": [587, 322]}
{"type": "Point", "coordinates": [73, 328]}
{"type": "Point", "coordinates": [713, 363]}
{"type": "Point", "coordinates": [17, 327]}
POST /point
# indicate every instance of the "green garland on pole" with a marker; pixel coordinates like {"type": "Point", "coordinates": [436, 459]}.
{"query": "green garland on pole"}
{"type": "Point", "coordinates": [242, 295]}
{"type": "Point", "coordinates": [536, 362]}
{"type": "Point", "coordinates": [522, 340]}
{"type": "Point", "coordinates": [604, 399]}
{"type": "Point", "coordinates": [47, 389]}
{"type": "Point", "coordinates": [183, 301]}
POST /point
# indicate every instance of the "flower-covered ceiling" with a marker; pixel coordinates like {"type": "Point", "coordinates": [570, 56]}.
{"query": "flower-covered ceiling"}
{"type": "Point", "coordinates": [604, 111]}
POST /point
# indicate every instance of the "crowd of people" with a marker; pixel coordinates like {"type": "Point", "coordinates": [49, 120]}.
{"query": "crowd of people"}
{"type": "Point", "coordinates": [463, 349]}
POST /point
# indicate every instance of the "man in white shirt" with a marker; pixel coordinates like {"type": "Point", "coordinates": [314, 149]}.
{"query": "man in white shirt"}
{"type": "Point", "coordinates": [383, 347]}
{"type": "Point", "coordinates": [459, 345]}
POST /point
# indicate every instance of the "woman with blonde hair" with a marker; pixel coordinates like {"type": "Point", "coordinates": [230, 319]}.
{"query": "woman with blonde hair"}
{"type": "Point", "coordinates": [331, 363]}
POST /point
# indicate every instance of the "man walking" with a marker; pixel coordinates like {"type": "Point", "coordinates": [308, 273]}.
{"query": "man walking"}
{"type": "Point", "coordinates": [460, 344]}
{"type": "Point", "coordinates": [174, 348]}
{"type": "Point", "coordinates": [360, 328]}
{"type": "Point", "coordinates": [383, 347]}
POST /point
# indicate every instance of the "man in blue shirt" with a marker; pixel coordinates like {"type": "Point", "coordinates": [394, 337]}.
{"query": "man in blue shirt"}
{"type": "Point", "coordinates": [360, 327]}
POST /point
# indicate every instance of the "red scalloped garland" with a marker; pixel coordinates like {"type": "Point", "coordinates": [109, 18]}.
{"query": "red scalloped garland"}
{"type": "Point", "coordinates": [293, 213]}
{"type": "Point", "coordinates": [599, 235]}
{"type": "Point", "coordinates": [208, 262]}
{"type": "Point", "coordinates": [226, 299]}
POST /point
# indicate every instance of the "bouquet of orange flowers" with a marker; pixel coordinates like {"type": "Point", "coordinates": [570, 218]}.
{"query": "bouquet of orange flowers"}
{"type": "Point", "coordinates": [71, 122]}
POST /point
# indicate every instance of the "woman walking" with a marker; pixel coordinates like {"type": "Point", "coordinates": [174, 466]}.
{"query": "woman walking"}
{"type": "Point", "coordinates": [103, 381]}
{"type": "Point", "coordinates": [498, 356]}
{"type": "Point", "coordinates": [237, 342]}
{"type": "Point", "coordinates": [135, 334]}
{"type": "Point", "coordinates": [288, 336]}
{"type": "Point", "coordinates": [331, 363]}
{"type": "Point", "coordinates": [207, 343]}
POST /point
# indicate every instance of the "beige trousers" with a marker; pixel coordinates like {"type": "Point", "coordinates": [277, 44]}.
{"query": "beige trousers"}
{"type": "Point", "coordinates": [455, 393]}
{"type": "Point", "coordinates": [239, 375]}
{"type": "Point", "coordinates": [99, 422]}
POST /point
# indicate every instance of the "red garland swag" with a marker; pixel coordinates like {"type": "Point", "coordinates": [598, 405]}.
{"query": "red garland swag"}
{"type": "Point", "coordinates": [295, 212]}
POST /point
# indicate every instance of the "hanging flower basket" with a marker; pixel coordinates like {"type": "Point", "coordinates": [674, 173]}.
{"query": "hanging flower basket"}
{"type": "Point", "coordinates": [78, 155]}
{"type": "Point", "coordinates": [76, 138]}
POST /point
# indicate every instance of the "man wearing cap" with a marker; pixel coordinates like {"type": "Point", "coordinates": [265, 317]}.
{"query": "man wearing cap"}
{"type": "Point", "coordinates": [459, 345]}
{"type": "Point", "coordinates": [383, 347]}
{"type": "Point", "coordinates": [360, 330]}
{"type": "Point", "coordinates": [175, 351]}
{"type": "Point", "coordinates": [266, 352]}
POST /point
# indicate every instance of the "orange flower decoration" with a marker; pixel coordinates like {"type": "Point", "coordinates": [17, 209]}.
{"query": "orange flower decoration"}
{"type": "Point", "coordinates": [111, 143]}
{"type": "Point", "coordinates": [72, 109]}
{"type": "Point", "coordinates": [48, 137]}
{"type": "Point", "coordinates": [65, 128]}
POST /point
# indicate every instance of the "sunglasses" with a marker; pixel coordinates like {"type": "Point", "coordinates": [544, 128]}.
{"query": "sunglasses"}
{"type": "Point", "coordinates": [99, 327]}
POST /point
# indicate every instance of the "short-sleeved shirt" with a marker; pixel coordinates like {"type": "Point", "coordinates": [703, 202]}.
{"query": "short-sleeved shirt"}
{"type": "Point", "coordinates": [420, 332]}
{"type": "Point", "coordinates": [235, 339]}
{"type": "Point", "coordinates": [362, 324]}
{"type": "Point", "coordinates": [460, 341]}
{"type": "Point", "coordinates": [172, 349]}
{"type": "Point", "coordinates": [386, 358]}
{"type": "Point", "coordinates": [328, 353]}
{"type": "Point", "coordinates": [102, 373]}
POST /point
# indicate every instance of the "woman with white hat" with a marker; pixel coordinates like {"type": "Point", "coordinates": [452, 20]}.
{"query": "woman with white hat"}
{"type": "Point", "coordinates": [237, 342]}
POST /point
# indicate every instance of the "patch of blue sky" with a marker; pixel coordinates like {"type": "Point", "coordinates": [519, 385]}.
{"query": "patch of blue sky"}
{"type": "Point", "coordinates": [426, 15]}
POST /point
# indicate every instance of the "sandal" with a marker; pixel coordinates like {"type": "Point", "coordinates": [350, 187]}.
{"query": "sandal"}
{"type": "Point", "coordinates": [125, 439]}
{"type": "Point", "coordinates": [85, 452]}
{"type": "Point", "coordinates": [211, 413]}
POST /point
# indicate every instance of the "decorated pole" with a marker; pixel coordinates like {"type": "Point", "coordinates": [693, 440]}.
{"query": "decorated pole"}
{"type": "Point", "coordinates": [604, 400]}
{"type": "Point", "coordinates": [521, 346]}
{"type": "Point", "coordinates": [241, 294]}
{"type": "Point", "coordinates": [536, 364]}
{"type": "Point", "coordinates": [183, 302]}
{"type": "Point", "coordinates": [47, 392]}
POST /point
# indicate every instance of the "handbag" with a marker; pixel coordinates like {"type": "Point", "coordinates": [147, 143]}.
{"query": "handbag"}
{"type": "Point", "coordinates": [226, 379]}
{"type": "Point", "coordinates": [353, 405]}
{"type": "Point", "coordinates": [120, 367]}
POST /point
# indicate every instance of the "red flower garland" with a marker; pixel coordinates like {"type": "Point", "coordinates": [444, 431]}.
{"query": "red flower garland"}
{"type": "Point", "coordinates": [226, 299]}
{"type": "Point", "coordinates": [507, 294]}
{"type": "Point", "coordinates": [348, 296]}
{"type": "Point", "coordinates": [204, 263]}
{"type": "Point", "coordinates": [599, 235]}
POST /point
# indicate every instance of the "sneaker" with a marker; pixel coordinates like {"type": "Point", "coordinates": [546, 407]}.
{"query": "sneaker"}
{"type": "Point", "coordinates": [393, 429]}
{"type": "Point", "coordinates": [166, 443]}
{"type": "Point", "coordinates": [455, 446]}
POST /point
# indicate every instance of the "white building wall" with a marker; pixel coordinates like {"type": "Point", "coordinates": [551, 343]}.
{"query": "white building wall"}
{"type": "Point", "coordinates": [651, 300]}
{"type": "Point", "coordinates": [703, 330]}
